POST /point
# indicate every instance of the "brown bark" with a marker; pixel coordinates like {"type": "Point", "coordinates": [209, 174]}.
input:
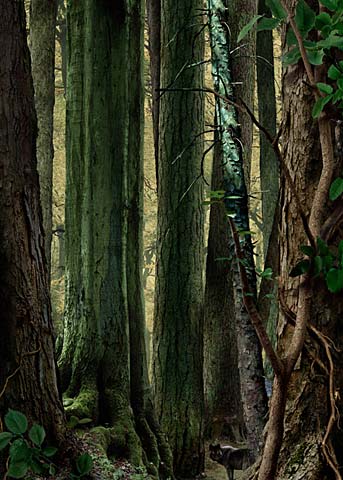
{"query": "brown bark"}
{"type": "Point", "coordinates": [26, 341]}
{"type": "Point", "coordinates": [224, 415]}
{"type": "Point", "coordinates": [42, 47]}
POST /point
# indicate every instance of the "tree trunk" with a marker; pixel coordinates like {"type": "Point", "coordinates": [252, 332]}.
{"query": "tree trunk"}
{"type": "Point", "coordinates": [243, 71]}
{"type": "Point", "coordinates": [224, 414]}
{"type": "Point", "coordinates": [42, 47]}
{"type": "Point", "coordinates": [104, 316]}
{"type": "Point", "coordinates": [249, 350]}
{"type": "Point", "coordinates": [269, 168]}
{"type": "Point", "coordinates": [26, 341]}
{"type": "Point", "coordinates": [178, 326]}
{"type": "Point", "coordinates": [308, 410]}
{"type": "Point", "coordinates": [154, 24]}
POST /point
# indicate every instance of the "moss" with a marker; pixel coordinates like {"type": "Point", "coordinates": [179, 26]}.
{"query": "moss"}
{"type": "Point", "coordinates": [297, 458]}
{"type": "Point", "coordinates": [85, 405]}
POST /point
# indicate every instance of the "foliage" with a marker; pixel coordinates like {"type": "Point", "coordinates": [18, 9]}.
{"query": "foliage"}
{"type": "Point", "coordinates": [26, 450]}
{"type": "Point", "coordinates": [329, 25]}
{"type": "Point", "coordinates": [322, 262]}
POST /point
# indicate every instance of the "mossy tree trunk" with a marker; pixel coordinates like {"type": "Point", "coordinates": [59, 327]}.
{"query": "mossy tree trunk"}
{"type": "Point", "coordinates": [224, 414]}
{"type": "Point", "coordinates": [42, 48]}
{"type": "Point", "coordinates": [104, 315]}
{"type": "Point", "coordinates": [26, 341]}
{"type": "Point", "coordinates": [249, 351]}
{"type": "Point", "coordinates": [178, 323]}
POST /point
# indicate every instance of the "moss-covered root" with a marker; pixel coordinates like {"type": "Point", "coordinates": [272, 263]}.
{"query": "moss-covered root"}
{"type": "Point", "coordinates": [121, 440]}
{"type": "Point", "coordinates": [165, 453]}
{"type": "Point", "coordinates": [151, 455]}
{"type": "Point", "coordinates": [84, 405]}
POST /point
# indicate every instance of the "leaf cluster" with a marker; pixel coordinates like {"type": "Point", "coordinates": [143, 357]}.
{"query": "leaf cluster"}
{"type": "Point", "coordinates": [27, 453]}
{"type": "Point", "coordinates": [327, 26]}
{"type": "Point", "coordinates": [322, 261]}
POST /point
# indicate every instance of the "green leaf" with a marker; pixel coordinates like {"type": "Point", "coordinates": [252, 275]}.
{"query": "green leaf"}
{"type": "Point", "coordinates": [246, 29]}
{"type": "Point", "coordinates": [269, 295]}
{"type": "Point", "coordinates": [318, 265]}
{"type": "Point", "coordinates": [37, 434]}
{"type": "Point", "coordinates": [328, 261]}
{"type": "Point", "coordinates": [268, 24]}
{"type": "Point", "coordinates": [17, 470]}
{"type": "Point", "coordinates": [334, 280]}
{"type": "Point", "coordinates": [83, 421]}
{"type": "Point", "coordinates": [305, 17]}
{"type": "Point", "coordinates": [5, 438]}
{"type": "Point", "coordinates": [267, 273]}
{"type": "Point", "coordinates": [323, 249]}
{"type": "Point", "coordinates": [340, 84]}
{"type": "Point", "coordinates": [73, 421]}
{"type": "Point", "coordinates": [336, 189]}
{"type": "Point", "coordinates": [340, 253]}
{"type": "Point", "coordinates": [16, 422]}
{"type": "Point", "coordinates": [322, 20]}
{"type": "Point", "coordinates": [276, 9]}
{"type": "Point", "coordinates": [84, 464]}
{"type": "Point", "coordinates": [331, 41]}
{"type": "Point", "coordinates": [291, 39]}
{"type": "Point", "coordinates": [319, 105]}
{"type": "Point", "coordinates": [315, 57]}
{"type": "Point", "coordinates": [52, 469]}
{"type": "Point", "coordinates": [49, 451]}
{"type": "Point", "coordinates": [330, 4]}
{"type": "Point", "coordinates": [324, 87]}
{"type": "Point", "coordinates": [300, 268]}
{"type": "Point", "coordinates": [20, 451]}
{"type": "Point", "coordinates": [334, 73]}
{"type": "Point", "coordinates": [292, 57]}
{"type": "Point", "coordinates": [307, 250]}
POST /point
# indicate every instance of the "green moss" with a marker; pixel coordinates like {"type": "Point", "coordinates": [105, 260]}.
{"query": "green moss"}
{"type": "Point", "coordinates": [297, 458]}
{"type": "Point", "coordinates": [85, 405]}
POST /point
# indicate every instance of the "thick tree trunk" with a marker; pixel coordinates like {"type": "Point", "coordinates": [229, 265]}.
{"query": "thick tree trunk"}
{"type": "Point", "coordinates": [26, 341]}
{"type": "Point", "coordinates": [104, 317]}
{"type": "Point", "coordinates": [178, 328]}
{"type": "Point", "coordinates": [308, 410]}
{"type": "Point", "coordinates": [42, 47]}
{"type": "Point", "coordinates": [249, 350]}
{"type": "Point", "coordinates": [224, 415]}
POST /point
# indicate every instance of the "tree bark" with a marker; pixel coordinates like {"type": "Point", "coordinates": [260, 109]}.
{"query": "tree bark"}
{"type": "Point", "coordinates": [236, 200]}
{"type": "Point", "coordinates": [224, 414]}
{"type": "Point", "coordinates": [104, 317]}
{"type": "Point", "coordinates": [26, 341]}
{"type": "Point", "coordinates": [154, 24]}
{"type": "Point", "coordinates": [42, 47]}
{"type": "Point", "coordinates": [178, 326]}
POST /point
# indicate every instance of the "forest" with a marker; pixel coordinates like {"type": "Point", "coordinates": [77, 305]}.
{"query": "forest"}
{"type": "Point", "coordinates": [171, 239]}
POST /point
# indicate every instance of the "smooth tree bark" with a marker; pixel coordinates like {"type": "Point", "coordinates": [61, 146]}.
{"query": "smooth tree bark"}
{"type": "Point", "coordinates": [249, 350]}
{"type": "Point", "coordinates": [42, 48]}
{"type": "Point", "coordinates": [103, 361]}
{"type": "Point", "coordinates": [178, 321]}
{"type": "Point", "coordinates": [224, 414]}
{"type": "Point", "coordinates": [27, 367]}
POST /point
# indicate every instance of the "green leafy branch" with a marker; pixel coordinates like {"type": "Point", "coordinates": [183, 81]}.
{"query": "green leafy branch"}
{"type": "Point", "coordinates": [27, 453]}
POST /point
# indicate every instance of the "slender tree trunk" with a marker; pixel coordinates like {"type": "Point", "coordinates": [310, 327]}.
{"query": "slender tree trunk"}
{"type": "Point", "coordinates": [61, 35]}
{"type": "Point", "coordinates": [243, 70]}
{"type": "Point", "coordinates": [42, 47]}
{"type": "Point", "coordinates": [269, 169]}
{"type": "Point", "coordinates": [249, 350]}
{"type": "Point", "coordinates": [178, 327]}
{"type": "Point", "coordinates": [154, 24]}
{"type": "Point", "coordinates": [26, 341]}
{"type": "Point", "coordinates": [224, 414]}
